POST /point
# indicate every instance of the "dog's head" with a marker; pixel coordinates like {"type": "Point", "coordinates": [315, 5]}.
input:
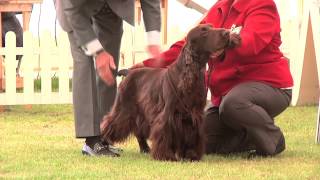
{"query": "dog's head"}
{"type": "Point", "coordinates": [204, 39]}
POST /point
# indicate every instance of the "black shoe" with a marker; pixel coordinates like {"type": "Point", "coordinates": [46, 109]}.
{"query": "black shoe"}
{"type": "Point", "coordinates": [111, 147]}
{"type": "Point", "coordinates": [281, 146]}
{"type": "Point", "coordinates": [99, 150]}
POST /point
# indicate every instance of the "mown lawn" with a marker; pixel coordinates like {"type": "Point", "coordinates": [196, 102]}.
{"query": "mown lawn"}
{"type": "Point", "coordinates": [40, 144]}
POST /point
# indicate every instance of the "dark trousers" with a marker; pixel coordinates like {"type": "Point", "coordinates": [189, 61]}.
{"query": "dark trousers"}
{"type": "Point", "coordinates": [245, 120]}
{"type": "Point", "coordinates": [92, 98]}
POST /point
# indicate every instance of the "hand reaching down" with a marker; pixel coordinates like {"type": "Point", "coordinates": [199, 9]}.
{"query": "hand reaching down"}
{"type": "Point", "coordinates": [105, 65]}
{"type": "Point", "coordinates": [154, 51]}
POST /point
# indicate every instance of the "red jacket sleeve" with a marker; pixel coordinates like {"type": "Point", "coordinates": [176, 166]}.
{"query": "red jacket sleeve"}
{"type": "Point", "coordinates": [259, 28]}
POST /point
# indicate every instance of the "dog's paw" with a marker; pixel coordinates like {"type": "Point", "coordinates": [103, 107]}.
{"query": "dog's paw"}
{"type": "Point", "coordinates": [145, 150]}
{"type": "Point", "coordinates": [192, 155]}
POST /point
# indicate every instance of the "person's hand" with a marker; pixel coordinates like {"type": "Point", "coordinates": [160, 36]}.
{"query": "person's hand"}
{"type": "Point", "coordinates": [235, 40]}
{"type": "Point", "coordinates": [138, 65]}
{"type": "Point", "coordinates": [154, 51]}
{"type": "Point", "coordinates": [105, 65]}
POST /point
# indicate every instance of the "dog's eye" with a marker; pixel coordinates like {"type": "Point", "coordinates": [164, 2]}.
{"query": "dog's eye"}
{"type": "Point", "coordinates": [204, 29]}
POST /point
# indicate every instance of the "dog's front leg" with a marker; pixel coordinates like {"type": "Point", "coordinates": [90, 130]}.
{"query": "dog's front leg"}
{"type": "Point", "coordinates": [162, 144]}
{"type": "Point", "coordinates": [196, 149]}
{"type": "Point", "coordinates": [162, 137]}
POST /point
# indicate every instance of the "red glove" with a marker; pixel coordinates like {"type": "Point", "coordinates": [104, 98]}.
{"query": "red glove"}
{"type": "Point", "coordinates": [105, 65]}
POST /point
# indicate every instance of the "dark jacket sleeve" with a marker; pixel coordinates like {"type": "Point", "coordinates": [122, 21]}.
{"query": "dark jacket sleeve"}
{"type": "Point", "coordinates": [151, 14]}
{"type": "Point", "coordinates": [61, 16]}
{"type": "Point", "coordinates": [79, 13]}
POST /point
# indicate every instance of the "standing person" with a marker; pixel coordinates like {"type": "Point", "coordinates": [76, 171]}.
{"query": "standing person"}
{"type": "Point", "coordinates": [11, 23]}
{"type": "Point", "coordinates": [95, 29]}
{"type": "Point", "coordinates": [250, 84]}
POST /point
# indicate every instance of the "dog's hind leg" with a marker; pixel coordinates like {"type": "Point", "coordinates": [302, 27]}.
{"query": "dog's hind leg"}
{"type": "Point", "coordinates": [144, 147]}
{"type": "Point", "coordinates": [141, 132]}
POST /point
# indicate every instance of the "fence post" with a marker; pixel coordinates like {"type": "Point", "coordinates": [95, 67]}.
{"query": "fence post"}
{"type": "Point", "coordinates": [28, 64]}
{"type": "Point", "coordinates": [10, 68]}
{"type": "Point", "coordinates": [45, 66]}
{"type": "Point", "coordinates": [1, 74]}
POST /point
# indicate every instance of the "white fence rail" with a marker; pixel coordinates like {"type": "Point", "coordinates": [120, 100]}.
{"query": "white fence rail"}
{"type": "Point", "coordinates": [42, 61]}
{"type": "Point", "coordinates": [49, 61]}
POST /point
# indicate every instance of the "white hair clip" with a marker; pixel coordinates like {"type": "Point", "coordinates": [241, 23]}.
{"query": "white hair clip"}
{"type": "Point", "coordinates": [235, 29]}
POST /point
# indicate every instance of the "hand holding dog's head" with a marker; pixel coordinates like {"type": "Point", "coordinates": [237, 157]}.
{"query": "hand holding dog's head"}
{"type": "Point", "coordinates": [235, 40]}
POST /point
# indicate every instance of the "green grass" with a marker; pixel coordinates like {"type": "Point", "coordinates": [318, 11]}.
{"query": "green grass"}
{"type": "Point", "coordinates": [40, 144]}
{"type": "Point", "coordinates": [54, 84]}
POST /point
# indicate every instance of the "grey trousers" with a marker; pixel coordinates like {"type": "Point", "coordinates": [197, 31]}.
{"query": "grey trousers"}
{"type": "Point", "coordinates": [92, 98]}
{"type": "Point", "coordinates": [245, 119]}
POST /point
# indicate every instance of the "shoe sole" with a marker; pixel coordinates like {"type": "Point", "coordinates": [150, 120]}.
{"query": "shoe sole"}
{"type": "Point", "coordinates": [86, 153]}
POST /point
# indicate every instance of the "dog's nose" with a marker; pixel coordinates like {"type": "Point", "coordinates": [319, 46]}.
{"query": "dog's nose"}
{"type": "Point", "coordinates": [225, 33]}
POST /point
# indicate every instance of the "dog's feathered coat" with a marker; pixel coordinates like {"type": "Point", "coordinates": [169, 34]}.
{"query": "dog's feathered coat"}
{"type": "Point", "coordinates": [166, 105]}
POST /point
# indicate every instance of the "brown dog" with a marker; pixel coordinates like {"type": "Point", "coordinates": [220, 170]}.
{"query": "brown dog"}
{"type": "Point", "coordinates": [167, 105]}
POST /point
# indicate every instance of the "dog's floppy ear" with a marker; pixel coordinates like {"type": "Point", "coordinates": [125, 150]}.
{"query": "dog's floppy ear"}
{"type": "Point", "coordinates": [197, 37]}
{"type": "Point", "coordinates": [187, 54]}
{"type": "Point", "coordinates": [199, 31]}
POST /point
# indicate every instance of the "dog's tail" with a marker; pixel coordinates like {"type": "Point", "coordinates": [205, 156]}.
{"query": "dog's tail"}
{"type": "Point", "coordinates": [115, 128]}
{"type": "Point", "coordinates": [117, 125]}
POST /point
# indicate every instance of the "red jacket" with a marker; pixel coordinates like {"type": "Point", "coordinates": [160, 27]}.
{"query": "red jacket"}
{"type": "Point", "coordinates": [257, 59]}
